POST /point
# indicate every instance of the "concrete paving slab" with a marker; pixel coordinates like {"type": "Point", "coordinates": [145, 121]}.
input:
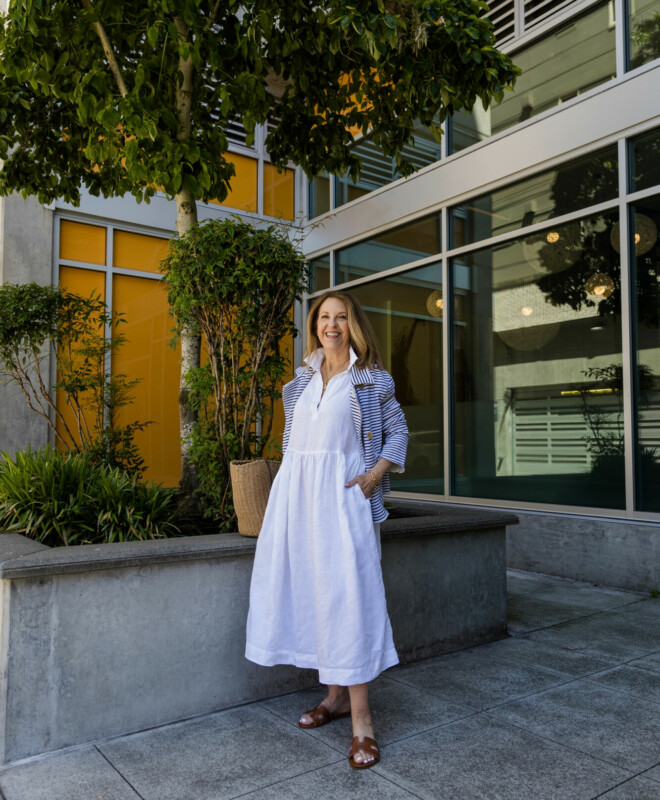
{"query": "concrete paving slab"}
{"type": "Point", "coordinates": [398, 711]}
{"type": "Point", "coordinates": [74, 775]}
{"type": "Point", "coordinates": [651, 662]}
{"type": "Point", "coordinates": [634, 789]}
{"type": "Point", "coordinates": [478, 679]}
{"type": "Point", "coordinates": [653, 773]}
{"type": "Point", "coordinates": [529, 614]}
{"type": "Point", "coordinates": [572, 663]}
{"type": "Point", "coordinates": [613, 726]}
{"type": "Point", "coordinates": [216, 757]}
{"type": "Point", "coordinates": [489, 760]}
{"type": "Point", "coordinates": [563, 590]}
{"type": "Point", "coordinates": [642, 683]}
{"type": "Point", "coordinates": [336, 782]}
{"type": "Point", "coordinates": [603, 634]}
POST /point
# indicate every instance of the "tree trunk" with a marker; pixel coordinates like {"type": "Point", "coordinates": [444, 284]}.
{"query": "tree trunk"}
{"type": "Point", "coordinates": [186, 218]}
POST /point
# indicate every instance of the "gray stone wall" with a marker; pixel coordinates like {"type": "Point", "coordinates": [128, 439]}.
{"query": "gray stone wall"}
{"type": "Point", "coordinates": [607, 552]}
{"type": "Point", "coordinates": [26, 254]}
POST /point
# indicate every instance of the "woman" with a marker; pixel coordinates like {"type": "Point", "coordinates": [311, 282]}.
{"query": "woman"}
{"type": "Point", "coordinates": [317, 598]}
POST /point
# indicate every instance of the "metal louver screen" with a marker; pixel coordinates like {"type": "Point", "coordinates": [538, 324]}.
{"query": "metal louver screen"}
{"type": "Point", "coordinates": [502, 15]}
{"type": "Point", "coordinates": [538, 10]}
{"type": "Point", "coordinates": [505, 15]}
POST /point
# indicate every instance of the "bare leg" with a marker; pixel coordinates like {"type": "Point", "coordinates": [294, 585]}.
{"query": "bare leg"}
{"type": "Point", "coordinates": [337, 701]}
{"type": "Point", "coordinates": [361, 717]}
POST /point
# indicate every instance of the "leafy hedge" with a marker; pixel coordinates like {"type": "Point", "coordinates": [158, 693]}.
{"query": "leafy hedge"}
{"type": "Point", "coordinates": [67, 498]}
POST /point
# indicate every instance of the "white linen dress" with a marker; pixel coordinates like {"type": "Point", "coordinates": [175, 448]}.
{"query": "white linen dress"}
{"type": "Point", "coordinates": [317, 598]}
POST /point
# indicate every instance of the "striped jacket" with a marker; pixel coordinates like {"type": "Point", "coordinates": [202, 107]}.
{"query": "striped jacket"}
{"type": "Point", "coordinates": [379, 422]}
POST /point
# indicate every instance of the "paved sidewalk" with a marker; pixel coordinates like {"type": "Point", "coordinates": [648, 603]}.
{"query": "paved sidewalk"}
{"type": "Point", "coordinates": [567, 708]}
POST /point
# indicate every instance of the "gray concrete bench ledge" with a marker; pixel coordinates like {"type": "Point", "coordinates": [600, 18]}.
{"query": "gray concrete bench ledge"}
{"type": "Point", "coordinates": [103, 640]}
{"type": "Point", "coordinates": [23, 558]}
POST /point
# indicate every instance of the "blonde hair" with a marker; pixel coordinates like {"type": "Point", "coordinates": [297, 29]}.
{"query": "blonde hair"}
{"type": "Point", "coordinates": [363, 339]}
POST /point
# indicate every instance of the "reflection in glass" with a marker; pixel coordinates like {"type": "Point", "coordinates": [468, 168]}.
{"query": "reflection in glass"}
{"type": "Point", "coordinates": [406, 313]}
{"type": "Point", "coordinates": [580, 183]}
{"type": "Point", "coordinates": [394, 248]}
{"type": "Point", "coordinates": [644, 31]}
{"type": "Point", "coordinates": [562, 65]}
{"type": "Point", "coordinates": [538, 400]}
{"type": "Point", "coordinates": [646, 160]}
{"type": "Point", "coordinates": [378, 170]}
{"type": "Point", "coordinates": [645, 217]}
{"type": "Point", "coordinates": [319, 274]}
{"type": "Point", "coordinates": [319, 196]}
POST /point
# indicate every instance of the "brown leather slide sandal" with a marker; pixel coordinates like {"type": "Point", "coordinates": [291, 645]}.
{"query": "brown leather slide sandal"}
{"type": "Point", "coordinates": [366, 745]}
{"type": "Point", "coordinates": [321, 716]}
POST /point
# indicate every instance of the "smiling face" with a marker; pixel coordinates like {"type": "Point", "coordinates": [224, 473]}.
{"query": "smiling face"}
{"type": "Point", "coordinates": [332, 327]}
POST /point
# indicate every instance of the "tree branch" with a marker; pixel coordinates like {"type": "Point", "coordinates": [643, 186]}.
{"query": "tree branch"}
{"type": "Point", "coordinates": [107, 49]}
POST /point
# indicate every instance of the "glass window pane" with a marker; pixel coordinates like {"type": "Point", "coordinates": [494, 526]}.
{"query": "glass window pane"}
{"type": "Point", "coordinates": [645, 223]}
{"type": "Point", "coordinates": [278, 192]}
{"type": "Point", "coordinates": [146, 355]}
{"type": "Point", "coordinates": [538, 405]}
{"type": "Point", "coordinates": [399, 246]}
{"type": "Point", "coordinates": [644, 31]}
{"type": "Point", "coordinates": [646, 160]}
{"type": "Point", "coordinates": [138, 251]}
{"type": "Point", "coordinates": [319, 196]}
{"type": "Point", "coordinates": [243, 186]}
{"type": "Point", "coordinates": [82, 242]}
{"type": "Point", "coordinates": [84, 282]}
{"type": "Point", "coordinates": [569, 187]}
{"type": "Point", "coordinates": [406, 313]}
{"type": "Point", "coordinates": [379, 170]}
{"type": "Point", "coordinates": [319, 275]}
{"type": "Point", "coordinates": [566, 63]}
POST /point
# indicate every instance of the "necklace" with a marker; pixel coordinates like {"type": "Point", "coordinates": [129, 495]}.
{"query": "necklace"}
{"type": "Point", "coordinates": [327, 380]}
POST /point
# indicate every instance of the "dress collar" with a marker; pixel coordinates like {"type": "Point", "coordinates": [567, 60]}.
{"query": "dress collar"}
{"type": "Point", "coordinates": [358, 376]}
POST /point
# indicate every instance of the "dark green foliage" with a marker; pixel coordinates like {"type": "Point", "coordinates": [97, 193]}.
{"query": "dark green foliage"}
{"type": "Point", "coordinates": [646, 40]}
{"type": "Point", "coordinates": [315, 70]}
{"type": "Point", "coordinates": [236, 285]}
{"type": "Point", "coordinates": [37, 321]}
{"type": "Point", "coordinates": [66, 498]}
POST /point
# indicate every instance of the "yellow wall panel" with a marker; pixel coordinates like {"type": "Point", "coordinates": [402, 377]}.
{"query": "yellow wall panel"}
{"type": "Point", "coordinates": [137, 251]}
{"type": "Point", "coordinates": [84, 282]}
{"type": "Point", "coordinates": [82, 242]}
{"type": "Point", "coordinates": [146, 356]}
{"type": "Point", "coordinates": [243, 186]}
{"type": "Point", "coordinates": [278, 192]}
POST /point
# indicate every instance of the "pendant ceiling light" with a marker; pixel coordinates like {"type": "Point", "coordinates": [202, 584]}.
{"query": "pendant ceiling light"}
{"type": "Point", "coordinates": [435, 303]}
{"type": "Point", "coordinates": [554, 250]}
{"type": "Point", "coordinates": [599, 287]}
{"type": "Point", "coordinates": [646, 235]}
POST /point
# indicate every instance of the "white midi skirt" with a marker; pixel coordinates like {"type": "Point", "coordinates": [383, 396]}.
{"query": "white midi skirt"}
{"type": "Point", "coordinates": [317, 598]}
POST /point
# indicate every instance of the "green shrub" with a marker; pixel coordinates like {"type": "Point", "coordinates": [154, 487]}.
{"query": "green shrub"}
{"type": "Point", "coordinates": [67, 498]}
{"type": "Point", "coordinates": [237, 285]}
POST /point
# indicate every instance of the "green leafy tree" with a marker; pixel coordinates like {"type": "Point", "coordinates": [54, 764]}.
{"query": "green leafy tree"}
{"type": "Point", "coordinates": [37, 321]}
{"type": "Point", "coordinates": [137, 97]}
{"type": "Point", "coordinates": [237, 285]}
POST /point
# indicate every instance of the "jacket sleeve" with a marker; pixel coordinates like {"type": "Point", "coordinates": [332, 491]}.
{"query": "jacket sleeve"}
{"type": "Point", "coordinates": [395, 429]}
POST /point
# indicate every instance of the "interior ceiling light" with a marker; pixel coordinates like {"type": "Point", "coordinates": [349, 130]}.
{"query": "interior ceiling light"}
{"type": "Point", "coordinates": [599, 287]}
{"type": "Point", "coordinates": [646, 235]}
{"type": "Point", "coordinates": [553, 251]}
{"type": "Point", "coordinates": [435, 303]}
{"type": "Point", "coordinates": [526, 311]}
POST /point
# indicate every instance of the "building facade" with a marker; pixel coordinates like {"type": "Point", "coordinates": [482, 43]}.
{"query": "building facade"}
{"type": "Point", "coordinates": [514, 284]}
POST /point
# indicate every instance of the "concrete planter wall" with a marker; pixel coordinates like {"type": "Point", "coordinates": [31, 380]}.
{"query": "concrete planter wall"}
{"type": "Point", "coordinates": [98, 641]}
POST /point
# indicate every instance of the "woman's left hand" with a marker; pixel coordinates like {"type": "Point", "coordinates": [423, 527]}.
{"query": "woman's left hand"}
{"type": "Point", "coordinates": [365, 482]}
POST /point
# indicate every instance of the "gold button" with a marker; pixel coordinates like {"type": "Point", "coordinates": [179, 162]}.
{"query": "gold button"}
{"type": "Point", "coordinates": [370, 435]}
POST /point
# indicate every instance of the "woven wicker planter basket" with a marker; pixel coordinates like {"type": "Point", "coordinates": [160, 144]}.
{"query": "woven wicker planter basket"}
{"type": "Point", "coordinates": [250, 483]}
